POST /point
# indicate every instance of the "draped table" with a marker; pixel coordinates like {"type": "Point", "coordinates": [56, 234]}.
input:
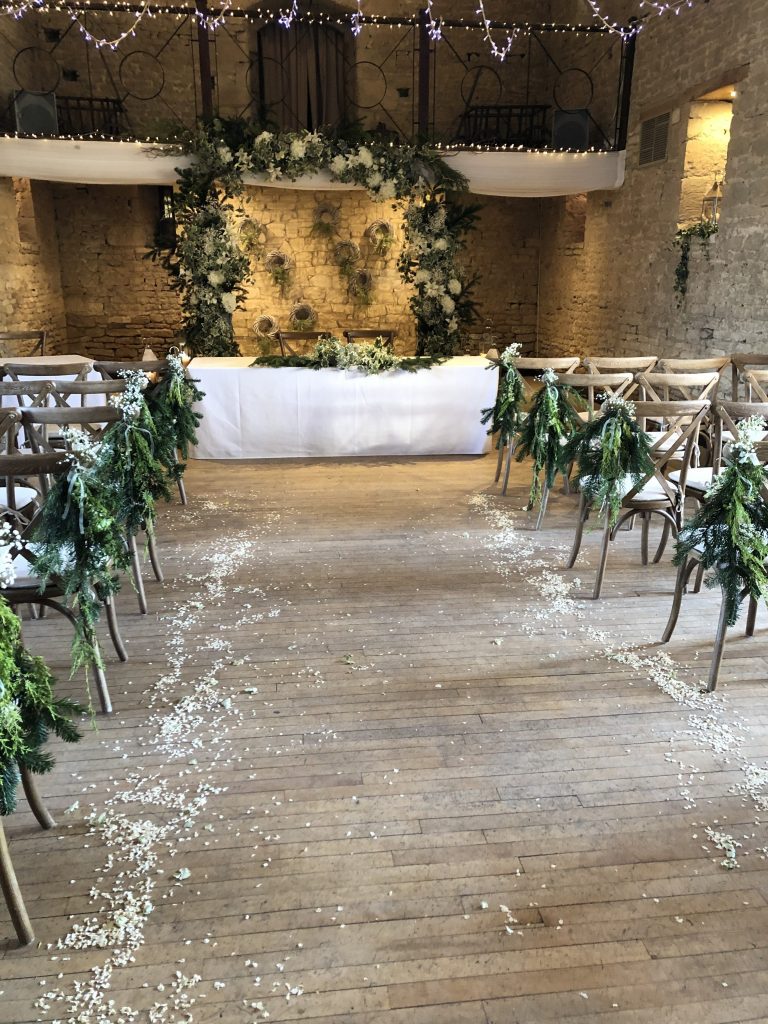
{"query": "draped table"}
{"type": "Point", "coordinates": [288, 412]}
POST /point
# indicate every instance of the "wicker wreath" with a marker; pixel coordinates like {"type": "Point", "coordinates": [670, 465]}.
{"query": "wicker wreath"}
{"type": "Point", "coordinates": [361, 286]}
{"type": "Point", "coordinates": [265, 326]}
{"type": "Point", "coordinates": [278, 265]}
{"type": "Point", "coordinates": [325, 221]}
{"type": "Point", "coordinates": [253, 236]}
{"type": "Point", "coordinates": [303, 316]}
{"type": "Point", "coordinates": [380, 235]}
{"type": "Point", "coordinates": [346, 254]}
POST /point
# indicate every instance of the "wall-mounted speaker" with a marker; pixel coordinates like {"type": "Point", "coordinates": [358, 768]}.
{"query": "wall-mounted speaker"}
{"type": "Point", "coordinates": [36, 113]}
{"type": "Point", "coordinates": [570, 129]}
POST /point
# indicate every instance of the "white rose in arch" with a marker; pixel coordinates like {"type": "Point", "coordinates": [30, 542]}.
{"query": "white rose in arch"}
{"type": "Point", "coordinates": [440, 244]}
{"type": "Point", "coordinates": [454, 286]}
{"type": "Point", "coordinates": [298, 149]}
{"type": "Point", "coordinates": [338, 164]}
{"type": "Point", "coordinates": [387, 190]}
{"type": "Point", "coordinates": [365, 156]}
{"type": "Point", "coordinates": [224, 154]}
{"type": "Point", "coordinates": [229, 301]}
{"type": "Point", "coordinates": [447, 303]}
{"type": "Point", "coordinates": [215, 277]}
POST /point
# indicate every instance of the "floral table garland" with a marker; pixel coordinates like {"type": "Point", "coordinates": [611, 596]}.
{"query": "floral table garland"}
{"type": "Point", "coordinates": [209, 265]}
{"type": "Point", "coordinates": [369, 357]}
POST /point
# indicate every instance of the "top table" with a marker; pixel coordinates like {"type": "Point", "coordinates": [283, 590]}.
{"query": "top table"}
{"type": "Point", "coordinates": [289, 412]}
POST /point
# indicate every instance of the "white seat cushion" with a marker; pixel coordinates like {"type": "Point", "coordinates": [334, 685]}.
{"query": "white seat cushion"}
{"type": "Point", "coordinates": [699, 478]}
{"type": "Point", "coordinates": [21, 495]}
{"type": "Point", "coordinates": [651, 491]}
{"type": "Point", "coordinates": [669, 442]}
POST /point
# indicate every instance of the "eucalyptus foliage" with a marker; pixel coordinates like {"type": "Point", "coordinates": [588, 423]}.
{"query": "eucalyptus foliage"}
{"type": "Point", "coordinates": [369, 357]}
{"type": "Point", "coordinates": [209, 268]}
{"type": "Point", "coordinates": [610, 450]}
{"type": "Point", "coordinates": [171, 403]}
{"type": "Point", "coordinates": [703, 230]}
{"type": "Point", "coordinates": [550, 422]}
{"type": "Point", "coordinates": [729, 532]}
{"type": "Point", "coordinates": [506, 415]}
{"type": "Point", "coordinates": [29, 711]}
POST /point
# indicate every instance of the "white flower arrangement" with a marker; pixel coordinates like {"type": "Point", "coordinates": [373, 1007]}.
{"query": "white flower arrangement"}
{"type": "Point", "coordinates": [10, 544]}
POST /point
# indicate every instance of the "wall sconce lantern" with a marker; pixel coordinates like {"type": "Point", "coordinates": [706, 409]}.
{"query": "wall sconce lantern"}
{"type": "Point", "coordinates": [710, 205]}
{"type": "Point", "coordinates": [165, 231]}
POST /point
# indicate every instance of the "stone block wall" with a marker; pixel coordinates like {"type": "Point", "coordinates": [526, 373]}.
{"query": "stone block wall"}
{"type": "Point", "coordinates": [614, 292]}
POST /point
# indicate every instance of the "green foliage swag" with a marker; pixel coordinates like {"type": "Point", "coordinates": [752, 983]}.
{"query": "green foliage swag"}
{"type": "Point", "coordinates": [506, 415]}
{"type": "Point", "coordinates": [369, 357]}
{"type": "Point", "coordinates": [170, 401]}
{"type": "Point", "coordinates": [209, 267]}
{"type": "Point", "coordinates": [29, 711]}
{"type": "Point", "coordinates": [609, 450]}
{"type": "Point", "coordinates": [729, 532]}
{"type": "Point", "coordinates": [703, 230]}
{"type": "Point", "coordinates": [551, 421]}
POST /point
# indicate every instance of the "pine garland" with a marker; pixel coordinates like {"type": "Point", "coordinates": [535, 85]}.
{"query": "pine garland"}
{"type": "Point", "coordinates": [506, 416]}
{"type": "Point", "coordinates": [29, 711]}
{"type": "Point", "coordinates": [170, 403]}
{"type": "Point", "coordinates": [127, 457]}
{"type": "Point", "coordinates": [370, 357]}
{"type": "Point", "coordinates": [551, 420]}
{"type": "Point", "coordinates": [79, 542]}
{"type": "Point", "coordinates": [730, 529]}
{"type": "Point", "coordinates": [609, 450]}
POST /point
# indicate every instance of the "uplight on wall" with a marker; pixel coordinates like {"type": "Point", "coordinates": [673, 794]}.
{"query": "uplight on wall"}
{"type": "Point", "coordinates": [710, 204]}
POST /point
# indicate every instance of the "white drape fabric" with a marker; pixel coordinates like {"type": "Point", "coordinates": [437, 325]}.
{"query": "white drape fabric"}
{"type": "Point", "coordinates": [135, 163]}
{"type": "Point", "coordinates": [265, 413]}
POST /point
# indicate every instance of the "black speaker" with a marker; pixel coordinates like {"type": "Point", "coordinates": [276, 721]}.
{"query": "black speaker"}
{"type": "Point", "coordinates": [570, 129]}
{"type": "Point", "coordinates": [36, 113]}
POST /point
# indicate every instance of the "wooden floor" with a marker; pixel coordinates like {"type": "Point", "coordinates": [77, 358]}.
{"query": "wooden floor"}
{"type": "Point", "coordinates": [363, 716]}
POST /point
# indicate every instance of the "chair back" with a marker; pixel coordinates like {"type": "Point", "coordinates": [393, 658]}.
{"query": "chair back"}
{"type": "Point", "coordinates": [535, 364]}
{"type": "Point", "coordinates": [665, 387]}
{"type": "Point", "coordinates": [94, 420]}
{"type": "Point", "coordinates": [387, 335]}
{"type": "Point", "coordinates": [619, 364]}
{"type": "Point", "coordinates": [26, 343]}
{"type": "Point", "coordinates": [61, 366]}
{"type": "Point", "coordinates": [756, 382]}
{"type": "Point", "coordinates": [740, 365]}
{"type": "Point", "coordinates": [677, 442]}
{"type": "Point", "coordinates": [289, 341]}
{"type": "Point", "coordinates": [728, 415]}
{"type": "Point", "coordinates": [25, 392]}
{"type": "Point", "coordinates": [62, 392]}
{"type": "Point", "coordinates": [703, 365]}
{"type": "Point", "coordinates": [25, 471]}
{"type": "Point", "coordinates": [111, 369]}
{"type": "Point", "coordinates": [610, 385]}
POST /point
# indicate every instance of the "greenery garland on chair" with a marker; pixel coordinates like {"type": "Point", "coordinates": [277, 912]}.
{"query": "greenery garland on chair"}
{"type": "Point", "coordinates": [609, 450]}
{"type": "Point", "coordinates": [170, 402]}
{"type": "Point", "coordinates": [209, 268]}
{"type": "Point", "coordinates": [506, 416]}
{"type": "Point", "coordinates": [128, 458]}
{"type": "Point", "coordinates": [550, 422]}
{"type": "Point", "coordinates": [729, 532]}
{"type": "Point", "coordinates": [29, 711]}
{"type": "Point", "coordinates": [79, 542]}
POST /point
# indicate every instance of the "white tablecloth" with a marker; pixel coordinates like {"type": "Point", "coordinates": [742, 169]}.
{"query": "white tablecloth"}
{"type": "Point", "coordinates": [265, 413]}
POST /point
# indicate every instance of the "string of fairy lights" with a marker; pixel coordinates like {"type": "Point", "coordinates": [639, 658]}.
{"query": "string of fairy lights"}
{"type": "Point", "coordinates": [77, 10]}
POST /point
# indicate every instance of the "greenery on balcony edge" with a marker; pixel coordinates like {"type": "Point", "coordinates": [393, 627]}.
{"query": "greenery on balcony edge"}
{"type": "Point", "coordinates": [209, 267]}
{"type": "Point", "coordinates": [703, 230]}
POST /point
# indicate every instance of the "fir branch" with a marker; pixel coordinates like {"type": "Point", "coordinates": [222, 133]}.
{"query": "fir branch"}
{"type": "Point", "coordinates": [550, 422]}
{"type": "Point", "coordinates": [171, 401]}
{"type": "Point", "coordinates": [610, 450]}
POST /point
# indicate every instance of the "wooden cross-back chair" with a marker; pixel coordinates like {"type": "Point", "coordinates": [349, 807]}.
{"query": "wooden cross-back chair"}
{"type": "Point", "coordinates": [64, 391]}
{"type": "Point", "coordinates": [18, 369]}
{"type": "Point", "coordinates": [32, 343]}
{"type": "Point", "coordinates": [655, 494]}
{"type": "Point", "coordinates": [387, 335]}
{"type": "Point", "coordinates": [756, 382]}
{"type": "Point", "coordinates": [622, 364]}
{"type": "Point", "coordinates": [25, 392]}
{"type": "Point", "coordinates": [529, 367]}
{"type": "Point", "coordinates": [95, 420]}
{"type": "Point", "coordinates": [728, 415]}
{"type": "Point", "coordinates": [668, 387]}
{"type": "Point", "coordinates": [154, 369]}
{"type": "Point", "coordinates": [698, 365]}
{"type": "Point", "coordinates": [290, 341]}
{"type": "Point", "coordinates": [741, 365]}
{"type": "Point", "coordinates": [16, 470]}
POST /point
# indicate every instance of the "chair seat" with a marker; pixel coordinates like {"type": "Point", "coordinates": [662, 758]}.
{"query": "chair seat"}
{"type": "Point", "coordinates": [671, 442]}
{"type": "Point", "coordinates": [651, 491]}
{"type": "Point", "coordinates": [22, 496]}
{"type": "Point", "coordinates": [699, 478]}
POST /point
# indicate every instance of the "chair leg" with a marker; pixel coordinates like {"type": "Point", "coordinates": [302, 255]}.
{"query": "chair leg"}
{"type": "Point", "coordinates": [603, 557]}
{"type": "Point", "coordinates": [499, 462]}
{"type": "Point", "coordinates": [114, 630]}
{"type": "Point", "coordinates": [677, 600]}
{"type": "Point", "coordinates": [717, 652]}
{"type": "Point", "coordinates": [663, 542]}
{"type": "Point", "coordinates": [180, 484]}
{"type": "Point", "coordinates": [138, 581]}
{"type": "Point", "coordinates": [542, 506]}
{"type": "Point", "coordinates": [12, 894]}
{"type": "Point", "coordinates": [583, 516]}
{"type": "Point", "coordinates": [645, 518]}
{"type": "Point", "coordinates": [101, 686]}
{"type": "Point", "coordinates": [153, 556]}
{"type": "Point", "coordinates": [699, 578]}
{"type": "Point", "coordinates": [751, 616]}
{"type": "Point", "coordinates": [510, 453]}
{"type": "Point", "coordinates": [36, 805]}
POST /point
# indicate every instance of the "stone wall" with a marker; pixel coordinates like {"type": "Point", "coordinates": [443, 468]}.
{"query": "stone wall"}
{"type": "Point", "coordinates": [613, 292]}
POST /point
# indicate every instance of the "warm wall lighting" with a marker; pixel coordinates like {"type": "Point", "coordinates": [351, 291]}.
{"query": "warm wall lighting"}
{"type": "Point", "coordinates": [710, 205]}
